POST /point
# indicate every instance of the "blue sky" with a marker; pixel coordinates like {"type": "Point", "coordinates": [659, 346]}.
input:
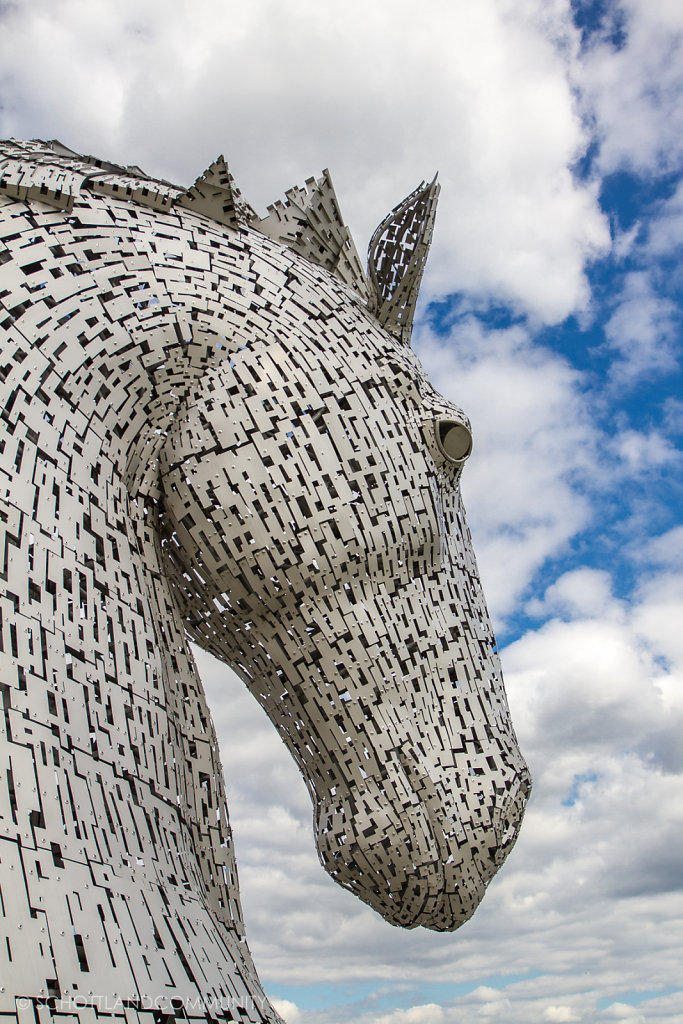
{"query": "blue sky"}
{"type": "Point", "coordinates": [551, 313]}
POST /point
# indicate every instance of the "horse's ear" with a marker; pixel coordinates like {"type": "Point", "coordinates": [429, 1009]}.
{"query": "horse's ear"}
{"type": "Point", "coordinates": [215, 195]}
{"type": "Point", "coordinates": [397, 255]}
{"type": "Point", "coordinates": [310, 223]}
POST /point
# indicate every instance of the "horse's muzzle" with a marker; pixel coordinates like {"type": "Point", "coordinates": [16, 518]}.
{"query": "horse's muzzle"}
{"type": "Point", "coordinates": [414, 862]}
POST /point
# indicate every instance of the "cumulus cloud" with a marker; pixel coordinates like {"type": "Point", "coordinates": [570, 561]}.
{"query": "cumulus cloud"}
{"type": "Point", "coordinates": [643, 330]}
{"type": "Point", "coordinates": [672, 409]}
{"type": "Point", "coordinates": [290, 1011]}
{"type": "Point", "coordinates": [384, 98]}
{"type": "Point", "coordinates": [624, 1014]}
{"type": "Point", "coordinates": [429, 1013]}
{"type": "Point", "coordinates": [632, 78]}
{"type": "Point", "coordinates": [641, 451]}
{"type": "Point", "coordinates": [560, 1015]}
{"type": "Point", "coordinates": [579, 592]}
{"type": "Point", "coordinates": [664, 550]}
{"type": "Point", "coordinates": [599, 678]}
{"type": "Point", "coordinates": [658, 613]}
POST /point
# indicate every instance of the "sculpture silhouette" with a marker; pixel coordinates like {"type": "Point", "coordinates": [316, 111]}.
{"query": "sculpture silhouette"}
{"type": "Point", "coordinates": [214, 429]}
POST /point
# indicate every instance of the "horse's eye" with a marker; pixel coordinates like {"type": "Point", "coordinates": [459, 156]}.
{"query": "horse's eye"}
{"type": "Point", "coordinates": [454, 439]}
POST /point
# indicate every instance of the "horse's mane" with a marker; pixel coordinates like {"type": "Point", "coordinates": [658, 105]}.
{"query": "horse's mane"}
{"type": "Point", "coordinates": [53, 174]}
{"type": "Point", "coordinates": [309, 220]}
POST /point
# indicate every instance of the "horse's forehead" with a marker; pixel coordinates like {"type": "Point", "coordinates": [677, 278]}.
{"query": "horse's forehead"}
{"type": "Point", "coordinates": [362, 380]}
{"type": "Point", "coordinates": [315, 336]}
{"type": "Point", "coordinates": [318, 314]}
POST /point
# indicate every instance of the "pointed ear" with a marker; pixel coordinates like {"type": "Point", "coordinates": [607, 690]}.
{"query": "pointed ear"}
{"type": "Point", "coordinates": [310, 223]}
{"type": "Point", "coordinates": [215, 195]}
{"type": "Point", "coordinates": [397, 256]}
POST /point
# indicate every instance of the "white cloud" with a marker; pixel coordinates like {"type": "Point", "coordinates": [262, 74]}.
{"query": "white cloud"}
{"type": "Point", "coordinates": [478, 91]}
{"type": "Point", "coordinates": [495, 1009]}
{"type": "Point", "coordinates": [634, 90]}
{"type": "Point", "coordinates": [560, 1015]}
{"type": "Point", "coordinates": [290, 1011]}
{"type": "Point", "coordinates": [428, 1013]}
{"type": "Point", "coordinates": [665, 550]}
{"type": "Point", "coordinates": [608, 680]}
{"type": "Point", "coordinates": [641, 451]}
{"type": "Point", "coordinates": [643, 330]}
{"type": "Point", "coordinates": [673, 415]}
{"type": "Point", "coordinates": [581, 592]}
{"type": "Point", "coordinates": [658, 615]}
{"type": "Point", "coordinates": [624, 1014]}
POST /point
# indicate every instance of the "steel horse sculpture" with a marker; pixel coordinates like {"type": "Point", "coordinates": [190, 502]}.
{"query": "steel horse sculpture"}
{"type": "Point", "coordinates": [214, 429]}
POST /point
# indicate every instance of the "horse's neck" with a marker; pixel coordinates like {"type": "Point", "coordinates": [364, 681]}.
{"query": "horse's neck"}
{"type": "Point", "coordinates": [105, 711]}
{"type": "Point", "coordinates": [114, 811]}
{"type": "Point", "coordinates": [147, 706]}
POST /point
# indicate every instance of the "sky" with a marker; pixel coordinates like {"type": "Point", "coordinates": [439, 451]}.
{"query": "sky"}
{"type": "Point", "coordinates": [551, 312]}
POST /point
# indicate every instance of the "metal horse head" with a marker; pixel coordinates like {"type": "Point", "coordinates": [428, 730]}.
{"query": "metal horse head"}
{"type": "Point", "coordinates": [214, 427]}
{"type": "Point", "coordinates": [312, 483]}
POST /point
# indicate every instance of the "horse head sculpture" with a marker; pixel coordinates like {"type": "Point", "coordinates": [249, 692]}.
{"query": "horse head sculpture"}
{"type": "Point", "coordinates": [222, 433]}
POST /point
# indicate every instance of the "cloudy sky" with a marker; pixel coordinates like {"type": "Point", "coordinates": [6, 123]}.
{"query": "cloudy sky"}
{"type": "Point", "coordinates": [552, 313]}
